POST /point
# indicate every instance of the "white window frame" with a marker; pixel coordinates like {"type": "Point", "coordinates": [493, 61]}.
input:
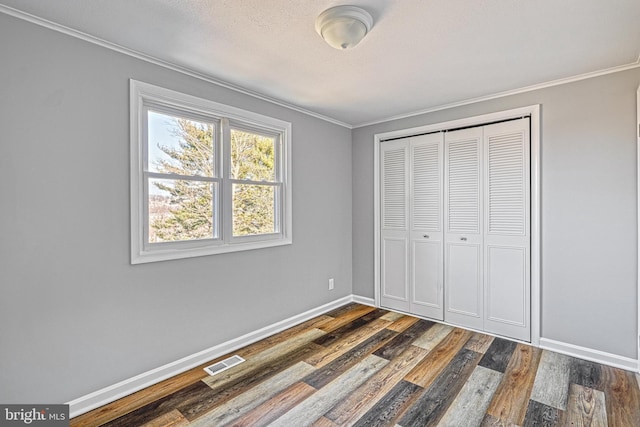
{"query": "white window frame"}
{"type": "Point", "coordinates": [144, 96]}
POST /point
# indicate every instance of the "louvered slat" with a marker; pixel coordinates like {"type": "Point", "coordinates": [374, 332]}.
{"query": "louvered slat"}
{"type": "Point", "coordinates": [426, 187]}
{"type": "Point", "coordinates": [394, 189]}
{"type": "Point", "coordinates": [506, 192]}
{"type": "Point", "coordinates": [463, 178]}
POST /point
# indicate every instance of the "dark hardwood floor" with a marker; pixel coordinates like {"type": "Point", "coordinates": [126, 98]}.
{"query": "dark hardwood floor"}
{"type": "Point", "coordinates": [361, 366]}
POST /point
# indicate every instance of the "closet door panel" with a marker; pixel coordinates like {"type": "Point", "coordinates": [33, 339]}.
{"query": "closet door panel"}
{"type": "Point", "coordinates": [506, 285]}
{"type": "Point", "coordinates": [464, 297]}
{"type": "Point", "coordinates": [464, 285]}
{"type": "Point", "coordinates": [394, 164]}
{"type": "Point", "coordinates": [426, 183]}
{"type": "Point", "coordinates": [395, 292]}
{"type": "Point", "coordinates": [463, 161]}
{"type": "Point", "coordinates": [395, 186]}
{"type": "Point", "coordinates": [427, 279]}
{"type": "Point", "coordinates": [507, 238]}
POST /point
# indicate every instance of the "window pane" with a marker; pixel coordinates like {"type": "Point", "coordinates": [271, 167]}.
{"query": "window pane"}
{"type": "Point", "coordinates": [180, 146]}
{"type": "Point", "coordinates": [181, 210]}
{"type": "Point", "coordinates": [252, 156]}
{"type": "Point", "coordinates": [253, 209]}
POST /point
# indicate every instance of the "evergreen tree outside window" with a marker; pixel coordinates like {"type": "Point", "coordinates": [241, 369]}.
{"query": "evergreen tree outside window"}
{"type": "Point", "coordinates": [181, 179]}
{"type": "Point", "coordinates": [254, 182]}
{"type": "Point", "coordinates": [205, 178]}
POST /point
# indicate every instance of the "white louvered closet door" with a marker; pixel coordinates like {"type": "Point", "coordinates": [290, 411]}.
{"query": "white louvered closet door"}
{"type": "Point", "coordinates": [463, 238]}
{"type": "Point", "coordinates": [394, 236]}
{"type": "Point", "coordinates": [411, 235]}
{"type": "Point", "coordinates": [426, 188]}
{"type": "Point", "coordinates": [455, 227]}
{"type": "Point", "coordinates": [507, 229]}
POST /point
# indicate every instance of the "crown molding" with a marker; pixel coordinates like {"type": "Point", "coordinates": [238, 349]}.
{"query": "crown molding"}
{"type": "Point", "coordinates": [525, 89]}
{"type": "Point", "coordinates": [218, 82]}
{"type": "Point", "coordinates": [159, 62]}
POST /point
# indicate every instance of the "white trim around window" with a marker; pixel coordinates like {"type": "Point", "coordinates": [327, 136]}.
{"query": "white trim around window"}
{"type": "Point", "coordinates": [146, 98]}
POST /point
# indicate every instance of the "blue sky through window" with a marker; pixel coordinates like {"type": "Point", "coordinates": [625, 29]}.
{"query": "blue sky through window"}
{"type": "Point", "coordinates": [162, 132]}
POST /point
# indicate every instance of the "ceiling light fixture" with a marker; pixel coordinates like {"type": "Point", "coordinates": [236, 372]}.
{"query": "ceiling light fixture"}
{"type": "Point", "coordinates": [343, 27]}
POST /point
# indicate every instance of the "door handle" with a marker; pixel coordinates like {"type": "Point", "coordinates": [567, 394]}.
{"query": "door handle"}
{"type": "Point", "coordinates": [464, 239]}
{"type": "Point", "coordinates": [426, 236]}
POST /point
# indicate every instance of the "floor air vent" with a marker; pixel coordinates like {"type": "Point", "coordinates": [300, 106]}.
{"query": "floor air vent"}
{"type": "Point", "coordinates": [225, 364]}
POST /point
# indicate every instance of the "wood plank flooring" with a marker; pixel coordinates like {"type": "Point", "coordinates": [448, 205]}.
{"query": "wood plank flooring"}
{"type": "Point", "coordinates": [362, 366]}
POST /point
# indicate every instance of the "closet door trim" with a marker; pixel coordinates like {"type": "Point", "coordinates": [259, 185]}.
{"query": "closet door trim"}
{"type": "Point", "coordinates": [532, 111]}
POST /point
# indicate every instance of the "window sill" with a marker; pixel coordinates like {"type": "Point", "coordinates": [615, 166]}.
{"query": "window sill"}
{"type": "Point", "coordinates": [167, 254]}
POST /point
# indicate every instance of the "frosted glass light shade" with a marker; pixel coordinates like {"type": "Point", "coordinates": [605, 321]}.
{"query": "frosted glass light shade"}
{"type": "Point", "coordinates": [343, 27]}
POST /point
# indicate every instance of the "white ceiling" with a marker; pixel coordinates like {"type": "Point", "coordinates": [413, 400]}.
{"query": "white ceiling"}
{"type": "Point", "coordinates": [420, 54]}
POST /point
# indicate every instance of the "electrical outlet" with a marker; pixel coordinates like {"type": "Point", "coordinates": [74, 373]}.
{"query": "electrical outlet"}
{"type": "Point", "coordinates": [331, 284]}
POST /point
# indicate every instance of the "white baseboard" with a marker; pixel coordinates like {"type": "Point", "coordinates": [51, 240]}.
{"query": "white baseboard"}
{"type": "Point", "coordinates": [124, 388]}
{"type": "Point", "coordinates": [363, 300]}
{"type": "Point", "coordinates": [590, 354]}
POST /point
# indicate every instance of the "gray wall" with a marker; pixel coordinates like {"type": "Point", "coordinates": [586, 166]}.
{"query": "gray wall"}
{"type": "Point", "coordinates": [589, 252]}
{"type": "Point", "coordinates": [75, 316]}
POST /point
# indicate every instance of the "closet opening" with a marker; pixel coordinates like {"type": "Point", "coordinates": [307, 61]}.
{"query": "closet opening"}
{"type": "Point", "coordinates": [457, 222]}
